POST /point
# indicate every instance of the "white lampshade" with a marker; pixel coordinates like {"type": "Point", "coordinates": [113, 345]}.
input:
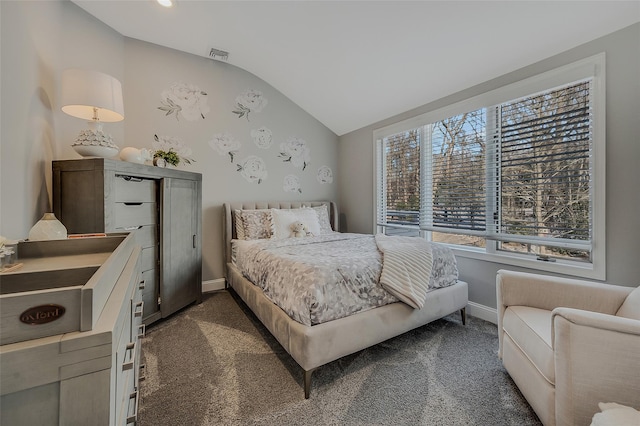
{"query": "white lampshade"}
{"type": "Point", "coordinates": [92, 95]}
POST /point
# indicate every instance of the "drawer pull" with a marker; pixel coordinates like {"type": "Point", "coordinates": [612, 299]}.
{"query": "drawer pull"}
{"type": "Point", "coordinates": [133, 203]}
{"type": "Point", "coordinates": [141, 285]}
{"type": "Point", "coordinates": [130, 178]}
{"type": "Point", "coordinates": [134, 417]}
{"type": "Point", "coordinates": [132, 228]}
{"type": "Point", "coordinates": [131, 348]}
{"type": "Point", "coordinates": [139, 308]}
{"type": "Point", "coordinates": [143, 372]}
{"type": "Point", "coordinates": [142, 331]}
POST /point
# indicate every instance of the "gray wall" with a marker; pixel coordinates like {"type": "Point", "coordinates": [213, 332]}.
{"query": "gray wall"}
{"type": "Point", "coordinates": [38, 41]}
{"type": "Point", "coordinates": [150, 69]}
{"type": "Point", "coordinates": [355, 161]}
{"type": "Point", "coordinates": [41, 39]}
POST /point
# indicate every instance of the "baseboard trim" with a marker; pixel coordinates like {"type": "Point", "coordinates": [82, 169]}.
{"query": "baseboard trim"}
{"type": "Point", "coordinates": [483, 312]}
{"type": "Point", "coordinates": [213, 285]}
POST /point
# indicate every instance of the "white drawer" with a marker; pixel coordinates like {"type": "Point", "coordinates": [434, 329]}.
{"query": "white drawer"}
{"type": "Point", "coordinates": [128, 188]}
{"type": "Point", "coordinates": [131, 215]}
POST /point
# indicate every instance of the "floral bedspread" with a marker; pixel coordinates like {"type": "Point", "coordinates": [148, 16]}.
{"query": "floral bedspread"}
{"type": "Point", "coordinates": [326, 277]}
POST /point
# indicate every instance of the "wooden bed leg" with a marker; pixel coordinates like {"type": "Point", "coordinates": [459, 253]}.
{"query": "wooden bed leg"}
{"type": "Point", "coordinates": [463, 314]}
{"type": "Point", "coordinates": [307, 382]}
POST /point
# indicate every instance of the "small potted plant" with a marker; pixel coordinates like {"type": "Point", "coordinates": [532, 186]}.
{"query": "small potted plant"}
{"type": "Point", "coordinates": [162, 158]}
{"type": "Point", "coordinates": [166, 154]}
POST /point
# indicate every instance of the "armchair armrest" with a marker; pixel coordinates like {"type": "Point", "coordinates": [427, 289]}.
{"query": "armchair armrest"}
{"type": "Point", "coordinates": [549, 292]}
{"type": "Point", "coordinates": [597, 359]}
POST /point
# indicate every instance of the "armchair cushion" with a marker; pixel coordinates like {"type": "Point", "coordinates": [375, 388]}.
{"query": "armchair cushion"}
{"type": "Point", "coordinates": [631, 306]}
{"type": "Point", "coordinates": [530, 329]}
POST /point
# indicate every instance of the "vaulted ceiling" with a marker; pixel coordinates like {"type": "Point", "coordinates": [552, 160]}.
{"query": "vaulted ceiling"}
{"type": "Point", "coordinates": [353, 63]}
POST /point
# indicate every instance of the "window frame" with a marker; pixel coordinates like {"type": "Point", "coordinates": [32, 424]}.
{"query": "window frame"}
{"type": "Point", "coordinates": [591, 67]}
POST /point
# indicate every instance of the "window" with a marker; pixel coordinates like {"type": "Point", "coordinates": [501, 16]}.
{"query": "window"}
{"type": "Point", "coordinates": [515, 175]}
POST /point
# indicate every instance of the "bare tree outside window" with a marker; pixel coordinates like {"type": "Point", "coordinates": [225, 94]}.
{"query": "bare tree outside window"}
{"type": "Point", "coordinates": [402, 156]}
{"type": "Point", "coordinates": [545, 180]}
{"type": "Point", "coordinates": [530, 178]}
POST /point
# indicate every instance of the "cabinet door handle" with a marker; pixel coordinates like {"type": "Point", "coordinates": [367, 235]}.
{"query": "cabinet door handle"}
{"type": "Point", "coordinates": [134, 417]}
{"type": "Point", "coordinates": [130, 178]}
{"type": "Point", "coordinates": [139, 308]}
{"type": "Point", "coordinates": [131, 348]}
{"type": "Point", "coordinates": [194, 241]}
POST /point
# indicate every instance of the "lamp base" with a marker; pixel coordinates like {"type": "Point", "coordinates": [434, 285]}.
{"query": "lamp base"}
{"type": "Point", "coordinates": [93, 142]}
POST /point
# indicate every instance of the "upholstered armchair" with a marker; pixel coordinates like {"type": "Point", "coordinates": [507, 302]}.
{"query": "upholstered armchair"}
{"type": "Point", "coordinates": [569, 344]}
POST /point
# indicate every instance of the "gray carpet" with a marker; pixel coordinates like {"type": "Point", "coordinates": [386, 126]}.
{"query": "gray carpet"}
{"type": "Point", "coordinates": [215, 364]}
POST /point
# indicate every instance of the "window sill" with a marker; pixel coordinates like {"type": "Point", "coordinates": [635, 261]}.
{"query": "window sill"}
{"type": "Point", "coordinates": [564, 267]}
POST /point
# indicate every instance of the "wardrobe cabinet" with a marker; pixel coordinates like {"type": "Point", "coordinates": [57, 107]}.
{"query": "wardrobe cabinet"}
{"type": "Point", "coordinates": [162, 206]}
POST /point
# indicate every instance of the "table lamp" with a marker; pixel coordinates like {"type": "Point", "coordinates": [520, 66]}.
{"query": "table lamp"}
{"type": "Point", "coordinates": [97, 98]}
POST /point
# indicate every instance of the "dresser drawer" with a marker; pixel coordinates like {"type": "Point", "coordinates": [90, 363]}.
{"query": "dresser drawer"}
{"type": "Point", "coordinates": [128, 188]}
{"type": "Point", "coordinates": [131, 215]}
{"type": "Point", "coordinates": [147, 236]}
{"type": "Point", "coordinates": [150, 292]}
{"type": "Point", "coordinates": [149, 258]}
{"type": "Point", "coordinates": [128, 356]}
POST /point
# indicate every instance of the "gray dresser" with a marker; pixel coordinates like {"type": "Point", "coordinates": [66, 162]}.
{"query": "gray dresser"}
{"type": "Point", "coordinates": [71, 329]}
{"type": "Point", "coordinates": [162, 206]}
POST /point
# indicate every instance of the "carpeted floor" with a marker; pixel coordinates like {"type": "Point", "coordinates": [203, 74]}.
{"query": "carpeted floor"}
{"type": "Point", "coordinates": [215, 364]}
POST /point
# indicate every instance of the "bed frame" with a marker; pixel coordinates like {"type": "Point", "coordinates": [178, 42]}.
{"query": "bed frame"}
{"type": "Point", "coordinates": [314, 346]}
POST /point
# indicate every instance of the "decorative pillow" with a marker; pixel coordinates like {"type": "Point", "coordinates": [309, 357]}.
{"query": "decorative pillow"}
{"type": "Point", "coordinates": [631, 306]}
{"type": "Point", "coordinates": [323, 218]}
{"type": "Point", "coordinates": [282, 220]}
{"type": "Point", "coordinates": [253, 224]}
{"type": "Point", "coordinates": [239, 225]}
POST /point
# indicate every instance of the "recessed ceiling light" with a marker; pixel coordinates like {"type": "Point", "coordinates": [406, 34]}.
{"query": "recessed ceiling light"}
{"type": "Point", "coordinates": [166, 3]}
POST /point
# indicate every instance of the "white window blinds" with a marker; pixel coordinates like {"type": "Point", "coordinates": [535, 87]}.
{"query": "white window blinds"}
{"type": "Point", "coordinates": [545, 151]}
{"type": "Point", "coordinates": [518, 172]}
{"type": "Point", "coordinates": [515, 174]}
{"type": "Point", "coordinates": [456, 200]}
{"type": "Point", "coordinates": [399, 205]}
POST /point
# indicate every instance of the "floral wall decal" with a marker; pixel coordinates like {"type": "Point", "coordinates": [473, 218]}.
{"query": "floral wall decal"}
{"type": "Point", "coordinates": [324, 175]}
{"type": "Point", "coordinates": [186, 100]}
{"type": "Point", "coordinates": [291, 184]}
{"type": "Point", "coordinates": [172, 143]}
{"type": "Point", "coordinates": [253, 169]}
{"type": "Point", "coordinates": [251, 100]}
{"type": "Point", "coordinates": [262, 137]}
{"type": "Point", "coordinates": [296, 151]}
{"type": "Point", "coordinates": [225, 144]}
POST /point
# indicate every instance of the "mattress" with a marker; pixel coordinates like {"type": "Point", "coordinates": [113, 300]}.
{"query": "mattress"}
{"type": "Point", "coordinates": [326, 277]}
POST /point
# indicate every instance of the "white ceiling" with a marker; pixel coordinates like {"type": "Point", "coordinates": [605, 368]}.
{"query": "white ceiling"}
{"type": "Point", "coordinates": [353, 63]}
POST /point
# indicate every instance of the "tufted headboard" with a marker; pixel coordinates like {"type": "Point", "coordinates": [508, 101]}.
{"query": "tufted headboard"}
{"type": "Point", "coordinates": [229, 226]}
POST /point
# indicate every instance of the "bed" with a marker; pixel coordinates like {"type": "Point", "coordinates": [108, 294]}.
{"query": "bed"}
{"type": "Point", "coordinates": [323, 340]}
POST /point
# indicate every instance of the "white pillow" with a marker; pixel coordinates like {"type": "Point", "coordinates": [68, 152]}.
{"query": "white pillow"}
{"type": "Point", "coordinates": [282, 220]}
{"type": "Point", "coordinates": [323, 218]}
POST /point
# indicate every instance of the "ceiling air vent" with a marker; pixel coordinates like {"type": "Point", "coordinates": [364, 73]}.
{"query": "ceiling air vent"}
{"type": "Point", "coordinates": [218, 54]}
